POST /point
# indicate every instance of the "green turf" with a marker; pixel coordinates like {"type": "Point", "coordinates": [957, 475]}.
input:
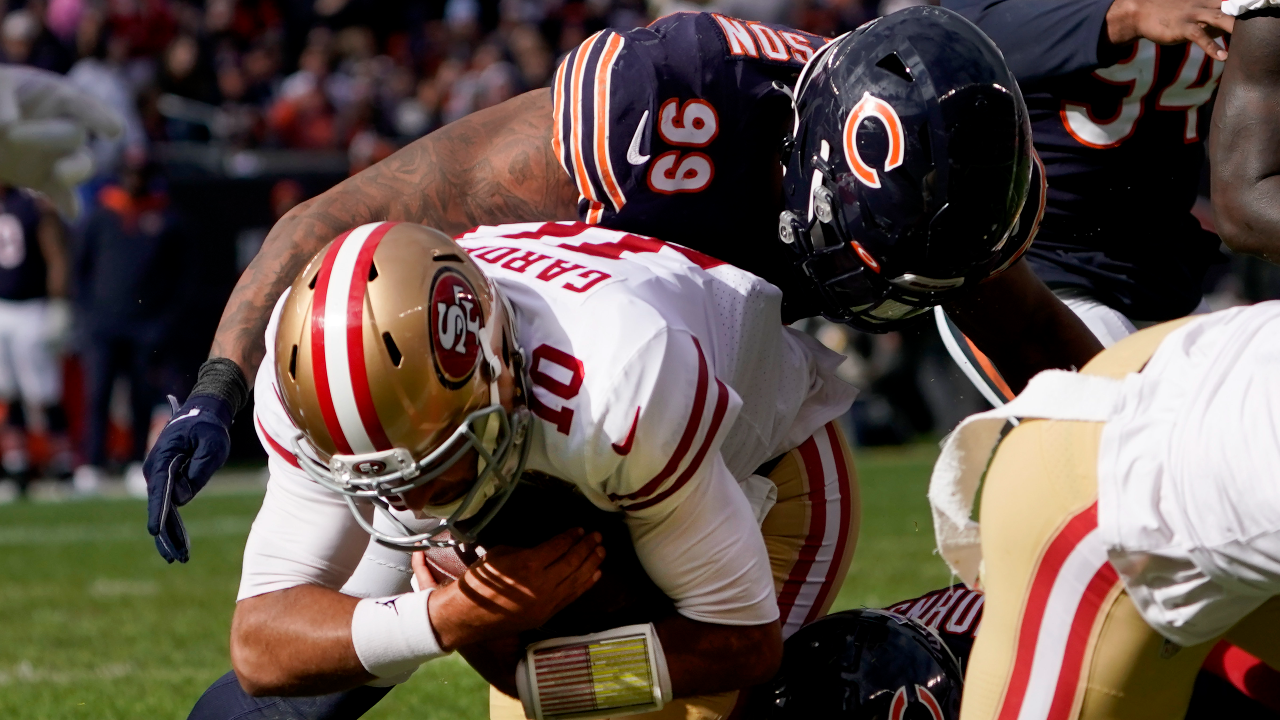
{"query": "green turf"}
{"type": "Point", "coordinates": [95, 625]}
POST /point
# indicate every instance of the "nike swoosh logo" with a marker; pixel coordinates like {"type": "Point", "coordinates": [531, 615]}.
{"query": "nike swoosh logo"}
{"type": "Point", "coordinates": [625, 447]}
{"type": "Point", "coordinates": [633, 153]}
{"type": "Point", "coordinates": [188, 414]}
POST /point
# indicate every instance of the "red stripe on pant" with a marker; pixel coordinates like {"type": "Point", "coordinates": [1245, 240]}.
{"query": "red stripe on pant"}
{"type": "Point", "coordinates": [1095, 595]}
{"type": "Point", "coordinates": [1247, 673]}
{"type": "Point", "coordinates": [843, 496]}
{"type": "Point", "coordinates": [792, 608]}
{"type": "Point", "coordinates": [1046, 575]}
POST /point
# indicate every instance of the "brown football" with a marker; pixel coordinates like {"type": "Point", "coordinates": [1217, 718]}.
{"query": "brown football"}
{"type": "Point", "coordinates": [542, 507]}
{"type": "Point", "coordinates": [447, 563]}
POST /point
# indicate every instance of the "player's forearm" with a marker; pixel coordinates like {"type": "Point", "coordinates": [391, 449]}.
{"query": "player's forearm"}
{"type": "Point", "coordinates": [1244, 145]}
{"type": "Point", "coordinates": [703, 658]}
{"type": "Point", "coordinates": [491, 167]}
{"type": "Point", "coordinates": [296, 642]}
{"type": "Point", "coordinates": [1017, 322]}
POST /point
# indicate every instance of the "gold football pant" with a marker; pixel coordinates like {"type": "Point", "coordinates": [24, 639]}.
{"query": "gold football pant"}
{"type": "Point", "coordinates": [1060, 638]}
{"type": "Point", "coordinates": [810, 536]}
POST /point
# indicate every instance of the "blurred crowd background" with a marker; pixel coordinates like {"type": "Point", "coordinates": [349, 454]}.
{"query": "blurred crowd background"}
{"type": "Point", "coordinates": [236, 110]}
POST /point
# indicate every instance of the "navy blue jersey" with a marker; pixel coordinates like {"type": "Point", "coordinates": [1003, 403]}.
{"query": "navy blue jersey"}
{"type": "Point", "coordinates": [676, 130]}
{"type": "Point", "coordinates": [23, 274]}
{"type": "Point", "coordinates": [1121, 132]}
{"type": "Point", "coordinates": [954, 613]}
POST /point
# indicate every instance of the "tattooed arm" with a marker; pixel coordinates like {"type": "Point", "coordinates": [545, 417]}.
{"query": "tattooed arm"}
{"type": "Point", "coordinates": [491, 167]}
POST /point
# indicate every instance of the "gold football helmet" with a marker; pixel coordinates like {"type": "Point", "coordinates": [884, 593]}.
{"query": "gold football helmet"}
{"type": "Point", "coordinates": [395, 358]}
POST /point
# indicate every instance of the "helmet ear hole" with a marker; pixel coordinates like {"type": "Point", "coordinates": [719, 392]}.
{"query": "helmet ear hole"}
{"type": "Point", "coordinates": [312, 285]}
{"type": "Point", "coordinates": [373, 272]}
{"type": "Point", "coordinates": [293, 364]}
{"type": "Point", "coordinates": [892, 63]}
{"type": "Point", "coordinates": [392, 350]}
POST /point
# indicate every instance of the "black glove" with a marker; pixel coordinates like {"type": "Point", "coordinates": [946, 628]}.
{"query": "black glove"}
{"type": "Point", "coordinates": [192, 446]}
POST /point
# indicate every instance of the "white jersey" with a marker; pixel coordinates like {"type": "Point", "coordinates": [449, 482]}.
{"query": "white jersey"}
{"type": "Point", "coordinates": [1189, 475]}
{"type": "Point", "coordinates": [660, 379]}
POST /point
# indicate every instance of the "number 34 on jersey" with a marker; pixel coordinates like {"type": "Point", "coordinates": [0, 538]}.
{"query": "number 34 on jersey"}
{"type": "Point", "coordinates": [1138, 76]}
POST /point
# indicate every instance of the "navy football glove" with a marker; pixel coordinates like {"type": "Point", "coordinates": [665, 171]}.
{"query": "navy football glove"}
{"type": "Point", "coordinates": [192, 446]}
{"type": "Point", "coordinates": [188, 451]}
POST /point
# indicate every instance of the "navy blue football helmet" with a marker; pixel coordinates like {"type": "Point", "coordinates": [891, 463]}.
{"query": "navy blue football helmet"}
{"type": "Point", "coordinates": [910, 173]}
{"type": "Point", "coordinates": [862, 665]}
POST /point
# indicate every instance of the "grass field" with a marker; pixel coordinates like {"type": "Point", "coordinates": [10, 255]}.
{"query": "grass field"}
{"type": "Point", "coordinates": [93, 624]}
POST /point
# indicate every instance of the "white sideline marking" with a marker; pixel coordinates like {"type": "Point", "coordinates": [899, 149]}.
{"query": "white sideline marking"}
{"type": "Point", "coordinates": [74, 534]}
{"type": "Point", "coordinates": [115, 587]}
{"type": "Point", "coordinates": [26, 673]}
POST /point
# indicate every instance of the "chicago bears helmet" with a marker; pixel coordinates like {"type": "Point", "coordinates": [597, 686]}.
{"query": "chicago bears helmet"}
{"type": "Point", "coordinates": [396, 359]}
{"type": "Point", "coordinates": [910, 173]}
{"type": "Point", "coordinates": [862, 665]}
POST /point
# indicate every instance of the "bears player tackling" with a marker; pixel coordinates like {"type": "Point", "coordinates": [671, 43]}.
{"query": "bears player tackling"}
{"type": "Point", "coordinates": [909, 181]}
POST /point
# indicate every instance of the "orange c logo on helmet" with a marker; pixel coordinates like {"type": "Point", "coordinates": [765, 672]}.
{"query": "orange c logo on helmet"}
{"type": "Point", "coordinates": [873, 107]}
{"type": "Point", "coordinates": [455, 328]}
{"type": "Point", "coordinates": [931, 703]}
{"type": "Point", "coordinates": [898, 706]}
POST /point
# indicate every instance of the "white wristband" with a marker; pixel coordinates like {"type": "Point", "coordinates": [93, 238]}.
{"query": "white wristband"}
{"type": "Point", "coordinates": [393, 635]}
{"type": "Point", "coordinates": [608, 674]}
{"type": "Point", "coordinates": [1239, 7]}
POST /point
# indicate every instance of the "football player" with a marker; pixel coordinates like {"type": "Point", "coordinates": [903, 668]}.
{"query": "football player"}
{"type": "Point", "coordinates": [915, 653]}
{"type": "Point", "coordinates": [1128, 522]}
{"type": "Point", "coordinates": [416, 379]}
{"type": "Point", "coordinates": [1245, 144]}
{"type": "Point", "coordinates": [1118, 93]}
{"type": "Point", "coordinates": [869, 177]}
{"type": "Point", "coordinates": [34, 322]}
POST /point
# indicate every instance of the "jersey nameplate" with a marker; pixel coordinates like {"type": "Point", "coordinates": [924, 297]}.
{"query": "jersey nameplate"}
{"type": "Point", "coordinates": [770, 43]}
{"type": "Point", "coordinates": [557, 272]}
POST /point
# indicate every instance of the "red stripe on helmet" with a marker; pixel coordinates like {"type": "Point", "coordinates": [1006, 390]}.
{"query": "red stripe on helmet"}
{"type": "Point", "coordinates": [319, 370]}
{"type": "Point", "coordinates": [355, 340]}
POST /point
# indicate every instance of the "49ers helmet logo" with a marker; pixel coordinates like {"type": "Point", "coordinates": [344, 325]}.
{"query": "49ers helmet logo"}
{"type": "Point", "coordinates": [455, 327]}
{"type": "Point", "coordinates": [873, 107]}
